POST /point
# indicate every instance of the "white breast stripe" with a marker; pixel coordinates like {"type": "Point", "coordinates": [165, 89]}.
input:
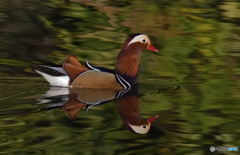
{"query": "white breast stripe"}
{"type": "Point", "coordinates": [129, 86]}
{"type": "Point", "coordinates": [91, 66]}
{"type": "Point", "coordinates": [121, 82]}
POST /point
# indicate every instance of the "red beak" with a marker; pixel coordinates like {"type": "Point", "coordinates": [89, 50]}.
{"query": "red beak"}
{"type": "Point", "coordinates": [151, 119]}
{"type": "Point", "coordinates": [151, 48]}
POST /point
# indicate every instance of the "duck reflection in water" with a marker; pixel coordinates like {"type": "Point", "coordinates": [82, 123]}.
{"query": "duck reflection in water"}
{"type": "Point", "coordinates": [72, 101]}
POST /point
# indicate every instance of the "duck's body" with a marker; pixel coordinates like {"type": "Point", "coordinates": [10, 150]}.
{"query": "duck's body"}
{"type": "Point", "coordinates": [89, 77]}
{"type": "Point", "coordinates": [74, 74]}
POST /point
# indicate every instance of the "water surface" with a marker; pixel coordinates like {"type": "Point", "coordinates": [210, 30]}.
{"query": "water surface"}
{"type": "Point", "coordinates": [192, 84]}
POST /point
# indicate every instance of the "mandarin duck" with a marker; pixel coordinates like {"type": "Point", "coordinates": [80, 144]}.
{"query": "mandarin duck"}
{"type": "Point", "coordinates": [74, 74]}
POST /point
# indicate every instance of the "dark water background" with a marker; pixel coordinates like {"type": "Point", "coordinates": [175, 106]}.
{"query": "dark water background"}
{"type": "Point", "coordinates": [193, 84]}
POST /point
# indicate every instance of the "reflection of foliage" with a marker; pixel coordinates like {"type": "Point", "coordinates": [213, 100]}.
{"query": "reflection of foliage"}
{"type": "Point", "coordinates": [232, 9]}
{"type": "Point", "coordinates": [199, 49]}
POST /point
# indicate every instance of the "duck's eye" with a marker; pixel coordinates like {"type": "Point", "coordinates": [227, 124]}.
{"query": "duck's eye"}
{"type": "Point", "coordinates": [143, 40]}
{"type": "Point", "coordinates": [144, 126]}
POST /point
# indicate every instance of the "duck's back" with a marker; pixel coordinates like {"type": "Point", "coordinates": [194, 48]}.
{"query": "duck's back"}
{"type": "Point", "coordinates": [96, 79]}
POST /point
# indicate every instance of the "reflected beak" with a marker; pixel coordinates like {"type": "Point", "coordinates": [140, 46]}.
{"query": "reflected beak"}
{"type": "Point", "coordinates": [151, 119]}
{"type": "Point", "coordinates": [151, 48]}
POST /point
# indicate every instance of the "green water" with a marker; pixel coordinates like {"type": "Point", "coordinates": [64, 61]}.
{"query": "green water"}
{"type": "Point", "coordinates": [192, 84]}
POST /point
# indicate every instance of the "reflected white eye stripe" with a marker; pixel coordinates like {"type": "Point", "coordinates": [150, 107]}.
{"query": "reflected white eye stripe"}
{"type": "Point", "coordinates": [139, 38]}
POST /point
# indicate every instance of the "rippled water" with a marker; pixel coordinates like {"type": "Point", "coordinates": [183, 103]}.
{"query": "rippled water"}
{"type": "Point", "coordinates": [192, 84]}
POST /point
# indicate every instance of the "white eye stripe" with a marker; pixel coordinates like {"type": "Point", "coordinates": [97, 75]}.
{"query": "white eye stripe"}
{"type": "Point", "coordinates": [143, 40]}
{"type": "Point", "coordinates": [140, 38]}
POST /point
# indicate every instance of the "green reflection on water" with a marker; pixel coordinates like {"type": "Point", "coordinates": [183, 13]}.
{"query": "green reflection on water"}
{"type": "Point", "coordinates": [199, 52]}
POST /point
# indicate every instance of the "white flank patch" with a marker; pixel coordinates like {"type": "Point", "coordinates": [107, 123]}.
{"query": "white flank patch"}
{"type": "Point", "coordinates": [61, 81]}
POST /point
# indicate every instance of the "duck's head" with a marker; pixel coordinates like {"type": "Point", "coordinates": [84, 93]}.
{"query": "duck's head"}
{"type": "Point", "coordinates": [139, 42]}
{"type": "Point", "coordinates": [129, 57]}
